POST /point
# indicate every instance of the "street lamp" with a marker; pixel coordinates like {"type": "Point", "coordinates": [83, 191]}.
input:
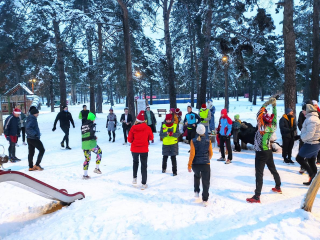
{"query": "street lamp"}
{"type": "Point", "coordinates": [32, 82]}
{"type": "Point", "coordinates": [138, 74]}
{"type": "Point", "coordinates": [226, 84]}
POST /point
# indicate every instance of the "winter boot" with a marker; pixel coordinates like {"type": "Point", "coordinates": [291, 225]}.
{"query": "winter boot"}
{"type": "Point", "coordinates": [276, 190]}
{"type": "Point", "coordinates": [302, 171]}
{"type": "Point", "coordinates": [254, 199]}
{"type": "Point", "coordinates": [38, 168]}
{"type": "Point", "coordinates": [62, 144]}
{"type": "Point", "coordinates": [32, 169]}
{"type": "Point", "coordinates": [109, 138]}
{"type": "Point", "coordinates": [97, 170]}
{"type": "Point", "coordinates": [24, 144]}
{"type": "Point", "coordinates": [113, 140]}
{"type": "Point", "coordinates": [134, 181]}
{"type": "Point", "coordinates": [164, 170]}
{"type": "Point", "coordinates": [152, 141]}
{"type": "Point", "coordinates": [86, 177]}
{"type": "Point", "coordinates": [174, 174]}
{"type": "Point", "coordinates": [285, 160]}
{"type": "Point", "coordinates": [228, 161]}
{"type": "Point", "coordinates": [144, 186]}
{"type": "Point", "coordinates": [67, 147]}
{"type": "Point", "coordinates": [17, 145]}
{"type": "Point", "coordinates": [221, 159]}
{"type": "Point", "coordinates": [205, 203]}
{"type": "Point", "coordinates": [310, 180]}
{"type": "Point", "coordinates": [290, 161]}
{"type": "Point", "coordinates": [16, 159]}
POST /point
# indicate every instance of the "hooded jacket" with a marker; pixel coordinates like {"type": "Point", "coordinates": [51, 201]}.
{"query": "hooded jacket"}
{"type": "Point", "coordinates": [225, 124]}
{"type": "Point", "coordinates": [287, 126]}
{"type": "Point", "coordinates": [32, 128]}
{"type": "Point", "coordinates": [139, 137]}
{"type": "Point", "coordinates": [310, 132]}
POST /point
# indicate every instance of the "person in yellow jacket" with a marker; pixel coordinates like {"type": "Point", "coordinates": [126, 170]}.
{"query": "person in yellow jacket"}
{"type": "Point", "coordinates": [199, 162]}
{"type": "Point", "coordinates": [169, 133]}
{"type": "Point", "coordinates": [205, 117]}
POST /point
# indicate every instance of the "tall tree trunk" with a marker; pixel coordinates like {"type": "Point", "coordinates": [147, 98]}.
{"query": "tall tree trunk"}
{"type": "Point", "coordinates": [306, 89]}
{"type": "Point", "coordinates": [100, 71]}
{"type": "Point", "coordinates": [89, 33]}
{"type": "Point", "coordinates": [170, 63]}
{"type": "Point", "coordinates": [289, 56]}
{"type": "Point", "coordinates": [126, 33]}
{"type": "Point", "coordinates": [206, 52]}
{"type": "Point", "coordinates": [314, 84]}
{"type": "Point", "coordinates": [151, 92]}
{"type": "Point", "coordinates": [192, 73]}
{"type": "Point", "coordinates": [60, 63]}
{"type": "Point", "coordinates": [51, 95]}
{"type": "Point", "coordinates": [226, 87]}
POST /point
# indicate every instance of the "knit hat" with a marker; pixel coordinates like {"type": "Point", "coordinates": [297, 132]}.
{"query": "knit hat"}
{"type": "Point", "coordinates": [64, 107]}
{"type": "Point", "coordinates": [288, 110]}
{"type": "Point", "coordinates": [17, 111]}
{"type": "Point", "coordinates": [34, 111]}
{"type": "Point", "coordinates": [177, 110]}
{"type": "Point", "coordinates": [140, 117]}
{"type": "Point", "coordinates": [204, 106]}
{"type": "Point", "coordinates": [32, 107]}
{"type": "Point", "coordinates": [224, 112]}
{"type": "Point", "coordinates": [110, 109]}
{"type": "Point", "coordinates": [237, 117]}
{"type": "Point", "coordinates": [310, 108]}
{"type": "Point", "coordinates": [200, 129]}
{"type": "Point", "coordinates": [168, 117]}
{"type": "Point", "coordinates": [314, 102]}
{"type": "Point", "coordinates": [147, 107]}
{"type": "Point", "coordinates": [91, 116]}
{"type": "Point", "coordinates": [172, 110]}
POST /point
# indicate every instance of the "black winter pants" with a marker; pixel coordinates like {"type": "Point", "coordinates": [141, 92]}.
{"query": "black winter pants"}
{"type": "Point", "coordinates": [265, 158]}
{"type": "Point", "coordinates": [12, 149]}
{"type": "Point", "coordinates": [23, 130]}
{"type": "Point", "coordinates": [173, 161]}
{"type": "Point", "coordinates": [113, 134]}
{"type": "Point", "coordinates": [191, 133]}
{"type": "Point", "coordinates": [287, 146]}
{"type": "Point", "coordinates": [309, 164]}
{"type": "Point", "coordinates": [125, 133]}
{"type": "Point", "coordinates": [144, 165]}
{"type": "Point", "coordinates": [66, 135]}
{"type": "Point", "coordinates": [202, 171]}
{"type": "Point", "coordinates": [223, 140]}
{"type": "Point", "coordinates": [32, 145]}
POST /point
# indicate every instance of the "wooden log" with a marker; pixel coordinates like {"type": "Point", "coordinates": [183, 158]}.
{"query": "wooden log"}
{"type": "Point", "coordinates": [311, 194]}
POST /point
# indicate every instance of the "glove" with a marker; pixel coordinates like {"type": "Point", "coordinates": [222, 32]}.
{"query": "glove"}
{"type": "Point", "coordinates": [202, 119]}
{"type": "Point", "coordinates": [53, 129]}
{"type": "Point", "coordinates": [9, 139]}
{"type": "Point", "coordinates": [170, 134]}
{"type": "Point", "coordinates": [274, 102]}
{"type": "Point", "coordinates": [297, 137]}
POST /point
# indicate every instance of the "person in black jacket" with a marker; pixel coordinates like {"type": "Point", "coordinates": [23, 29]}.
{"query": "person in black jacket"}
{"type": "Point", "coordinates": [65, 118]}
{"type": "Point", "coordinates": [126, 120]}
{"type": "Point", "coordinates": [33, 139]}
{"type": "Point", "coordinates": [288, 127]}
{"type": "Point", "coordinates": [11, 131]}
{"type": "Point", "coordinates": [84, 114]}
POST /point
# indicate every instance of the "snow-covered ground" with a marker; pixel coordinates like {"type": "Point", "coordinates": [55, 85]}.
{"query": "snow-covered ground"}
{"type": "Point", "coordinates": [114, 209]}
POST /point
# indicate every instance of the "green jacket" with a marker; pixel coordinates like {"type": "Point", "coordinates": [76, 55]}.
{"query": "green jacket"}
{"type": "Point", "coordinates": [89, 140]}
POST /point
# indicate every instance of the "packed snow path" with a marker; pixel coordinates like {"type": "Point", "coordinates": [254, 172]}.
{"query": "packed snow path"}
{"type": "Point", "coordinates": [114, 209]}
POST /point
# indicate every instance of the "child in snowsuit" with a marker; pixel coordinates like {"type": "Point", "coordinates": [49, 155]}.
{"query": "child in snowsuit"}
{"type": "Point", "coordinates": [169, 133]}
{"type": "Point", "coordinates": [111, 124]}
{"type": "Point", "coordinates": [236, 125]}
{"type": "Point", "coordinates": [199, 161]}
{"type": "Point", "coordinates": [89, 144]}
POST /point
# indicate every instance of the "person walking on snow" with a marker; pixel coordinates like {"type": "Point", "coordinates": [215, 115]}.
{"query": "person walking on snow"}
{"type": "Point", "coordinates": [310, 135]}
{"type": "Point", "coordinates": [169, 133]}
{"type": "Point", "coordinates": [236, 125]}
{"type": "Point", "coordinates": [11, 132]}
{"type": "Point", "coordinates": [191, 120]}
{"type": "Point", "coordinates": [199, 162]}
{"type": "Point", "coordinates": [139, 136]}
{"type": "Point", "coordinates": [111, 125]}
{"type": "Point", "coordinates": [212, 112]}
{"type": "Point", "coordinates": [22, 128]}
{"type": "Point", "coordinates": [33, 139]}
{"type": "Point", "coordinates": [84, 114]}
{"type": "Point", "coordinates": [89, 144]}
{"type": "Point", "coordinates": [288, 127]}
{"type": "Point", "coordinates": [267, 125]}
{"type": "Point", "coordinates": [65, 118]}
{"type": "Point", "coordinates": [225, 126]}
{"type": "Point", "coordinates": [151, 120]}
{"type": "Point", "coordinates": [126, 120]}
{"type": "Point", "coordinates": [205, 117]}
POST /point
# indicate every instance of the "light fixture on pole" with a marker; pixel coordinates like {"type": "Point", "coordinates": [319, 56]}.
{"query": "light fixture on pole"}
{"type": "Point", "coordinates": [32, 83]}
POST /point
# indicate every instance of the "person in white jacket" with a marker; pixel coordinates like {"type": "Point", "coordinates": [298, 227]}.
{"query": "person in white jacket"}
{"type": "Point", "coordinates": [310, 135]}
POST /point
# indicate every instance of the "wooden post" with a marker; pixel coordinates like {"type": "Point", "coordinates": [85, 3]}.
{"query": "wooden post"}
{"type": "Point", "coordinates": [311, 194]}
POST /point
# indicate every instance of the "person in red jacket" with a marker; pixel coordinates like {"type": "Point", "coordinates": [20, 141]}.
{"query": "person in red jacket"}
{"type": "Point", "coordinates": [139, 137]}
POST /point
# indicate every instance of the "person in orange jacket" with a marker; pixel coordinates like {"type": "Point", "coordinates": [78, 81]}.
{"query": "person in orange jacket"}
{"type": "Point", "coordinates": [199, 162]}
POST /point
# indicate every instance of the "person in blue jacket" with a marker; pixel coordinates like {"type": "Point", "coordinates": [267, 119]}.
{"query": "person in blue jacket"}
{"type": "Point", "coordinates": [33, 139]}
{"type": "Point", "coordinates": [212, 111]}
{"type": "Point", "coordinates": [225, 126]}
{"type": "Point", "coordinates": [191, 120]}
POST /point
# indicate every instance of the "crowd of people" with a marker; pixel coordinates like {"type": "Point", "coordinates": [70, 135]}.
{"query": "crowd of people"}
{"type": "Point", "coordinates": [198, 128]}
